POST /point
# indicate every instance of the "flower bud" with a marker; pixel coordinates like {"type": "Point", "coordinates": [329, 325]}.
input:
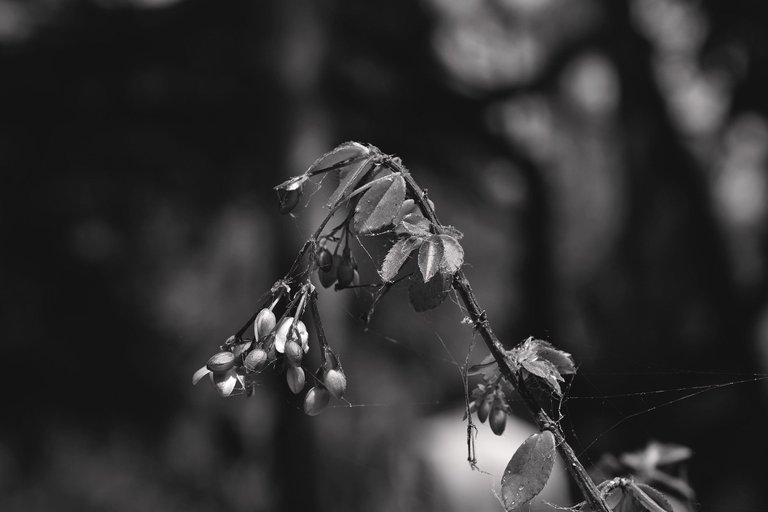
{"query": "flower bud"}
{"type": "Point", "coordinates": [225, 382]}
{"type": "Point", "coordinates": [221, 362]}
{"type": "Point", "coordinates": [484, 409]}
{"type": "Point", "coordinates": [316, 400]}
{"type": "Point", "coordinates": [264, 324]}
{"type": "Point", "coordinates": [293, 352]}
{"type": "Point", "coordinates": [256, 360]}
{"type": "Point", "coordinates": [336, 382]}
{"type": "Point", "coordinates": [327, 278]}
{"type": "Point", "coordinates": [497, 420]}
{"type": "Point", "coordinates": [324, 260]}
{"type": "Point", "coordinates": [296, 379]}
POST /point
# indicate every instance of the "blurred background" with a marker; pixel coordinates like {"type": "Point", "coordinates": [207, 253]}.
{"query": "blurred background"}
{"type": "Point", "coordinates": [605, 159]}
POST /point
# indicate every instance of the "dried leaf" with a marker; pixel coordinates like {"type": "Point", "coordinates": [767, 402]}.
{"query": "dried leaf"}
{"type": "Point", "coordinates": [379, 205]}
{"type": "Point", "coordinates": [349, 181]}
{"type": "Point", "coordinates": [396, 256]}
{"type": "Point", "coordinates": [347, 152]}
{"type": "Point", "coordinates": [528, 470]}
{"type": "Point", "coordinates": [430, 256]}
{"type": "Point", "coordinates": [453, 254]}
{"type": "Point", "coordinates": [563, 361]}
{"type": "Point", "coordinates": [425, 296]}
{"type": "Point", "coordinates": [651, 499]}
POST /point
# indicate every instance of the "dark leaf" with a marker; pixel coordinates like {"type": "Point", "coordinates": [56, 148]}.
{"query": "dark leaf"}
{"type": "Point", "coordinates": [414, 224]}
{"type": "Point", "coordinates": [488, 367]}
{"type": "Point", "coordinates": [430, 256]}
{"type": "Point", "coordinates": [396, 256]}
{"type": "Point", "coordinates": [528, 470]}
{"type": "Point", "coordinates": [425, 296]}
{"type": "Point", "coordinates": [650, 498]}
{"type": "Point", "coordinates": [348, 152]}
{"type": "Point", "coordinates": [546, 371]}
{"type": "Point", "coordinates": [453, 254]}
{"type": "Point", "coordinates": [379, 204]}
{"type": "Point", "coordinates": [349, 181]}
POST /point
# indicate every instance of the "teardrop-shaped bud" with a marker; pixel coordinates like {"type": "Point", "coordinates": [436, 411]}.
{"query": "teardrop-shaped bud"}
{"type": "Point", "coordinates": [264, 324]}
{"type": "Point", "coordinates": [221, 362]}
{"type": "Point", "coordinates": [316, 400]}
{"type": "Point", "coordinates": [256, 360]}
{"type": "Point", "coordinates": [345, 273]}
{"type": "Point", "coordinates": [484, 409]}
{"type": "Point", "coordinates": [336, 382]}
{"type": "Point", "coordinates": [324, 260]}
{"type": "Point", "coordinates": [288, 199]}
{"type": "Point", "coordinates": [497, 420]}
{"type": "Point", "coordinates": [296, 379]}
{"type": "Point", "coordinates": [327, 278]}
{"type": "Point", "coordinates": [293, 352]}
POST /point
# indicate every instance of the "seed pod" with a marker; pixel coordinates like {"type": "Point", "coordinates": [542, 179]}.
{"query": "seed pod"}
{"type": "Point", "coordinates": [484, 409]}
{"type": "Point", "coordinates": [316, 400]}
{"type": "Point", "coordinates": [324, 260]}
{"type": "Point", "coordinates": [264, 324]}
{"type": "Point", "coordinates": [293, 352]}
{"type": "Point", "coordinates": [346, 272]}
{"type": "Point", "coordinates": [256, 360]}
{"type": "Point", "coordinates": [336, 382]}
{"type": "Point", "coordinates": [242, 348]}
{"type": "Point", "coordinates": [221, 362]}
{"type": "Point", "coordinates": [288, 198]}
{"type": "Point", "coordinates": [498, 420]}
{"type": "Point", "coordinates": [285, 332]}
{"type": "Point", "coordinates": [296, 379]}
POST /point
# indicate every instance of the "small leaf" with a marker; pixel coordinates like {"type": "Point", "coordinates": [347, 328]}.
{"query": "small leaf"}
{"type": "Point", "coordinates": [528, 470]}
{"type": "Point", "coordinates": [379, 205]}
{"type": "Point", "coordinates": [455, 233]}
{"type": "Point", "coordinates": [546, 371]}
{"type": "Point", "coordinates": [425, 296]}
{"type": "Point", "coordinates": [651, 499]}
{"type": "Point", "coordinates": [199, 374]}
{"type": "Point", "coordinates": [414, 224]}
{"type": "Point", "coordinates": [349, 182]}
{"type": "Point", "coordinates": [488, 367]}
{"type": "Point", "coordinates": [396, 256]}
{"type": "Point", "coordinates": [346, 152]}
{"type": "Point", "coordinates": [430, 256]}
{"type": "Point", "coordinates": [453, 254]}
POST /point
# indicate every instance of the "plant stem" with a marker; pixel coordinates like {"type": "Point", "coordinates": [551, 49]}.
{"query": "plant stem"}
{"type": "Point", "coordinates": [482, 325]}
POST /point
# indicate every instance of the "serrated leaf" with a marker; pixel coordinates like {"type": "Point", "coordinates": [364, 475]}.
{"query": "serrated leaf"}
{"type": "Point", "coordinates": [379, 205]}
{"type": "Point", "coordinates": [349, 181]}
{"type": "Point", "coordinates": [430, 256]}
{"type": "Point", "coordinates": [453, 254]}
{"type": "Point", "coordinates": [651, 499]}
{"type": "Point", "coordinates": [396, 256]}
{"type": "Point", "coordinates": [425, 296]}
{"type": "Point", "coordinates": [414, 224]}
{"type": "Point", "coordinates": [528, 470]}
{"type": "Point", "coordinates": [348, 151]}
{"type": "Point", "coordinates": [546, 371]}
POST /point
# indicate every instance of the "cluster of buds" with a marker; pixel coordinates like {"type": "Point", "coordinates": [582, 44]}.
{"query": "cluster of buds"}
{"type": "Point", "coordinates": [337, 268]}
{"type": "Point", "coordinates": [279, 343]}
{"type": "Point", "coordinates": [489, 403]}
